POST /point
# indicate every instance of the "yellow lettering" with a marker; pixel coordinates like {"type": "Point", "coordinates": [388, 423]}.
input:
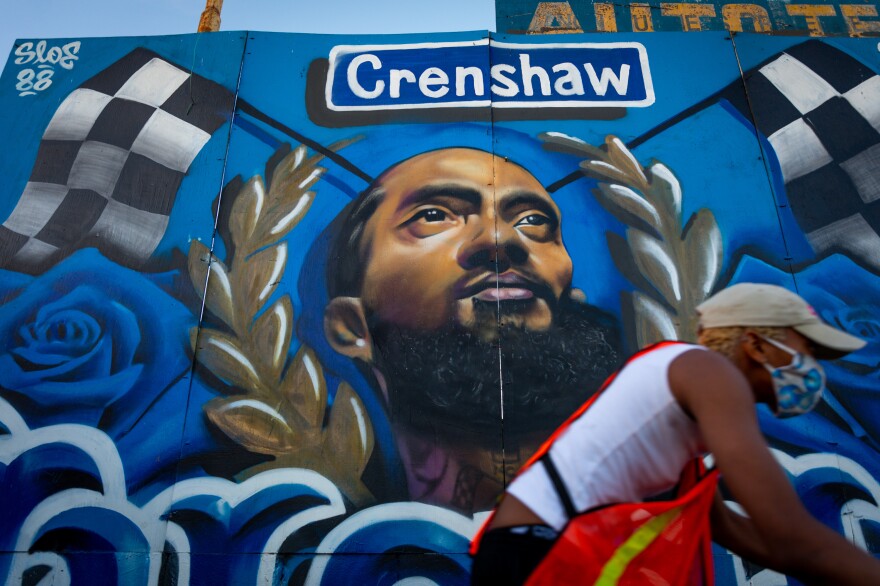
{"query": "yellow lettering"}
{"type": "Point", "coordinates": [811, 13]}
{"type": "Point", "coordinates": [641, 18]}
{"type": "Point", "coordinates": [689, 14]}
{"type": "Point", "coordinates": [606, 22]}
{"type": "Point", "coordinates": [554, 17]}
{"type": "Point", "coordinates": [733, 15]}
{"type": "Point", "coordinates": [858, 27]}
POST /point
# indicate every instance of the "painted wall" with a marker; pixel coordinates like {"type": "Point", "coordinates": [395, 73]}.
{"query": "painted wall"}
{"type": "Point", "coordinates": [222, 361]}
{"type": "Point", "coordinates": [816, 19]}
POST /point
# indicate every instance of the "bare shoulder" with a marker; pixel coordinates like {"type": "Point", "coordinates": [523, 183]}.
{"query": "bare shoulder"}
{"type": "Point", "coordinates": [700, 376]}
{"type": "Point", "coordinates": [704, 363]}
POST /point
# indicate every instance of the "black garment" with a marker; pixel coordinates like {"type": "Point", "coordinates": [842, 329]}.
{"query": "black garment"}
{"type": "Point", "coordinates": [508, 555]}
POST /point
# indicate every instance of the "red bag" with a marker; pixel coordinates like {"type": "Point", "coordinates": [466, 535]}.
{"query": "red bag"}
{"type": "Point", "coordinates": [653, 543]}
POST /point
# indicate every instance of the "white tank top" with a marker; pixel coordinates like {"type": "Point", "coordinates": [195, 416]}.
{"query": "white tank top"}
{"type": "Point", "coordinates": [632, 443]}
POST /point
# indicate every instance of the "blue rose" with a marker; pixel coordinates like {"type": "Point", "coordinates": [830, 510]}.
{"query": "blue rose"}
{"type": "Point", "coordinates": [89, 342]}
{"type": "Point", "coordinates": [848, 297]}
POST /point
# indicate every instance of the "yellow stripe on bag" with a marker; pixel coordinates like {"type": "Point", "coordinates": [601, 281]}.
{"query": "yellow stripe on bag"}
{"type": "Point", "coordinates": [636, 544]}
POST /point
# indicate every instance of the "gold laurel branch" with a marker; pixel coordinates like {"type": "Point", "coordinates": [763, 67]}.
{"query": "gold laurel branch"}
{"type": "Point", "coordinates": [276, 405]}
{"type": "Point", "coordinates": [673, 266]}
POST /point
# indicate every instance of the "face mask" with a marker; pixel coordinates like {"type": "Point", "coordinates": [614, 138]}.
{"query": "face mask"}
{"type": "Point", "coordinates": [799, 385]}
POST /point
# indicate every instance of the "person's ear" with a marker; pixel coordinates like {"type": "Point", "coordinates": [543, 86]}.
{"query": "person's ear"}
{"type": "Point", "coordinates": [753, 346]}
{"type": "Point", "coordinates": [345, 325]}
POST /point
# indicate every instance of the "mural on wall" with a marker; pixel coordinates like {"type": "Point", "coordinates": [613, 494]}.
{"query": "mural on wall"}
{"type": "Point", "coordinates": [816, 19]}
{"type": "Point", "coordinates": [292, 309]}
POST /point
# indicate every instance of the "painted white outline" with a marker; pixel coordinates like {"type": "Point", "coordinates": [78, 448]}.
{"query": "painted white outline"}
{"type": "Point", "coordinates": [59, 575]}
{"type": "Point", "coordinates": [852, 512]}
{"type": "Point", "coordinates": [148, 519]}
{"type": "Point", "coordinates": [391, 512]}
{"type": "Point", "coordinates": [341, 50]}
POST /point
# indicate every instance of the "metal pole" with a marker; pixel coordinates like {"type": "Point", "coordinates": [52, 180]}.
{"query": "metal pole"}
{"type": "Point", "coordinates": [210, 20]}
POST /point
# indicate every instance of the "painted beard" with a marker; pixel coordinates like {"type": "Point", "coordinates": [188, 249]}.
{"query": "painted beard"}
{"type": "Point", "coordinates": [450, 383]}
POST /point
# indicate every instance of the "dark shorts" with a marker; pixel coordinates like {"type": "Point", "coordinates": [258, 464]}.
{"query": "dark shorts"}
{"type": "Point", "coordinates": [508, 555]}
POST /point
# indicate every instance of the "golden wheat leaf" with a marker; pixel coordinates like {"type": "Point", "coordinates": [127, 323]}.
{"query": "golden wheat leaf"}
{"type": "Point", "coordinates": [704, 252]}
{"type": "Point", "coordinates": [257, 278]}
{"type": "Point", "coordinates": [563, 143]}
{"type": "Point", "coordinates": [215, 289]}
{"type": "Point", "coordinates": [304, 388]}
{"type": "Point", "coordinates": [197, 261]}
{"type": "Point", "coordinates": [271, 335]}
{"type": "Point", "coordinates": [298, 173]}
{"type": "Point", "coordinates": [349, 430]}
{"type": "Point", "coordinates": [623, 259]}
{"type": "Point", "coordinates": [280, 219]}
{"type": "Point", "coordinates": [290, 168]}
{"type": "Point", "coordinates": [653, 321]}
{"type": "Point", "coordinates": [656, 264]}
{"type": "Point", "coordinates": [295, 174]}
{"type": "Point", "coordinates": [302, 180]}
{"type": "Point", "coordinates": [604, 171]}
{"type": "Point", "coordinates": [622, 201]}
{"type": "Point", "coordinates": [246, 210]}
{"type": "Point", "coordinates": [251, 423]}
{"type": "Point", "coordinates": [223, 356]}
{"type": "Point", "coordinates": [194, 338]}
{"type": "Point", "coordinates": [341, 144]}
{"type": "Point", "coordinates": [288, 165]}
{"type": "Point", "coordinates": [286, 203]}
{"type": "Point", "coordinates": [666, 187]}
{"type": "Point", "coordinates": [284, 218]}
{"type": "Point", "coordinates": [622, 158]}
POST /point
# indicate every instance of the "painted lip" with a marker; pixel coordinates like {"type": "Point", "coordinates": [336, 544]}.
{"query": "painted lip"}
{"type": "Point", "coordinates": [505, 287]}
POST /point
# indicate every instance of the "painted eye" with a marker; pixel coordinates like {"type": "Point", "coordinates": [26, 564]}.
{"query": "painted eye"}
{"type": "Point", "coordinates": [431, 215]}
{"type": "Point", "coordinates": [431, 220]}
{"type": "Point", "coordinates": [534, 220]}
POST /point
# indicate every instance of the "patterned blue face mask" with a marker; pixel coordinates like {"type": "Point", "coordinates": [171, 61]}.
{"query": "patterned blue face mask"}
{"type": "Point", "coordinates": [798, 385]}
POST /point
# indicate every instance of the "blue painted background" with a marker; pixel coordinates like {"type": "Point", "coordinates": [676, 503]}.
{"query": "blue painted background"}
{"type": "Point", "coordinates": [112, 471]}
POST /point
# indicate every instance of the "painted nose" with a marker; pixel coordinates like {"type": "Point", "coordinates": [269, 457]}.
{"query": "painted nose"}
{"type": "Point", "coordinates": [497, 250]}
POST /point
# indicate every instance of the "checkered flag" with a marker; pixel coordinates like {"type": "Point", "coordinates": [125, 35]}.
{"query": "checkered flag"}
{"type": "Point", "coordinates": [110, 163]}
{"type": "Point", "coordinates": [820, 110]}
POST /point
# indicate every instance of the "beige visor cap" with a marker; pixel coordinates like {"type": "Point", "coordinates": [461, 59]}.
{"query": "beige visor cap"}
{"type": "Point", "coordinates": [758, 304]}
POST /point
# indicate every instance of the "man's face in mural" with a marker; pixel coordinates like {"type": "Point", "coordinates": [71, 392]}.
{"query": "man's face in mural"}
{"type": "Point", "coordinates": [461, 266]}
{"type": "Point", "coordinates": [459, 235]}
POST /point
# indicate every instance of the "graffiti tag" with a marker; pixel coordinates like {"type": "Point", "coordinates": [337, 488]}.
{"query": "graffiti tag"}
{"type": "Point", "coordinates": [43, 60]}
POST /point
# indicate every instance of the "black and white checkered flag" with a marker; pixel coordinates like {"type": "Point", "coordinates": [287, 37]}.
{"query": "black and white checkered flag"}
{"type": "Point", "coordinates": [820, 110]}
{"type": "Point", "coordinates": [111, 161]}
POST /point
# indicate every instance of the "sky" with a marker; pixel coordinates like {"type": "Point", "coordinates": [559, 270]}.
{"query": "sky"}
{"type": "Point", "coordinates": [44, 19]}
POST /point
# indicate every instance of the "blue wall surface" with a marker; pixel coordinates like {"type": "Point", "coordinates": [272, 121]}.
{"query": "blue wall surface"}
{"type": "Point", "coordinates": [211, 372]}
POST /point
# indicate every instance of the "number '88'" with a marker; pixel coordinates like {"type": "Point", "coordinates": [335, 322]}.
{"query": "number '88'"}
{"type": "Point", "coordinates": [30, 81]}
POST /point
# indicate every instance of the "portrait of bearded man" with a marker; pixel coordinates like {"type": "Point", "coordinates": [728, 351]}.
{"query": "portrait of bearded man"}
{"type": "Point", "coordinates": [450, 287]}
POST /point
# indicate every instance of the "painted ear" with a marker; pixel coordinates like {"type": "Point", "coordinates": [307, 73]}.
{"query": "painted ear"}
{"type": "Point", "coordinates": [345, 325]}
